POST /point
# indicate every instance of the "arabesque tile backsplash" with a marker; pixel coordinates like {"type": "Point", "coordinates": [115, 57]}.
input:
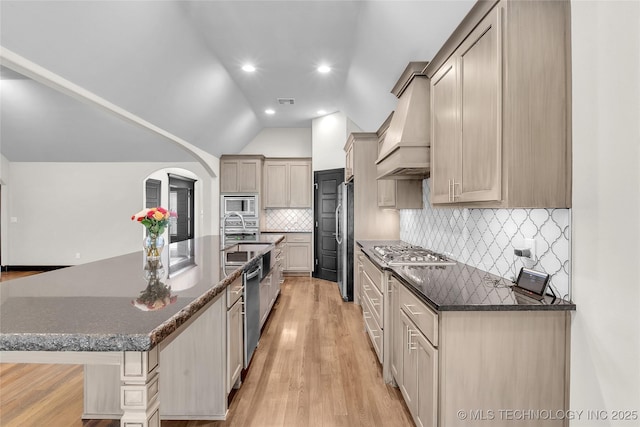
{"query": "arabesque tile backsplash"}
{"type": "Point", "coordinates": [486, 238]}
{"type": "Point", "coordinates": [288, 220]}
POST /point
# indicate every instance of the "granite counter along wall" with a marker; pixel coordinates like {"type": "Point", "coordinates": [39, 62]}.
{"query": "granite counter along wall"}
{"type": "Point", "coordinates": [485, 238]}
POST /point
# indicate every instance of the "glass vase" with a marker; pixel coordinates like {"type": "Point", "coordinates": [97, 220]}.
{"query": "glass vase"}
{"type": "Point", "coordinates": [153, 245]}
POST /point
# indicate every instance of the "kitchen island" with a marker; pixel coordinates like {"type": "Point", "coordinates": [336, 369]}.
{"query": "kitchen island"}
{"type": "Point", "coordinates": [462, 347]}
{"type": "Point", "coordinates": [106, 316]}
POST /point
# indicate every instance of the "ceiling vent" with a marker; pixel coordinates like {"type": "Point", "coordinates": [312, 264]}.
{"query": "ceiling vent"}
{"type": "Point", "coordinates": [286, 101]}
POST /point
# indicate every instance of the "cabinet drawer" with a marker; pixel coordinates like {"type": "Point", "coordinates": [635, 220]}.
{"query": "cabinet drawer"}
{"type": "Point", "coordinates": [299, 237]}
{"type": "Point", "coordinates": [425, 319]}
{"type": "Point", "coordinates": [234, 291]}
{"type": "Point", "coordinates": [373, 330]}
{"type": "Point", "coordinates": [374, 273]}
{"type": "Point", "coordinates": [374, 298]}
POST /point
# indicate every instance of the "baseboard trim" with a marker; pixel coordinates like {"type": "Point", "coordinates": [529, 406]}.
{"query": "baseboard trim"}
{"type": "Point", "coordinates": [32, 267]}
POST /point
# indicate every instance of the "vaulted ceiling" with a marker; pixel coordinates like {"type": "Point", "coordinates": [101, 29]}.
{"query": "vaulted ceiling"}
{"type": "Point", "coordinates": [177, 65]}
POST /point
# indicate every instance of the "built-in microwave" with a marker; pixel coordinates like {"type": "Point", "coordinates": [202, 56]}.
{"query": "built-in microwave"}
{"type": "Point", "coordinates": [244, 204]}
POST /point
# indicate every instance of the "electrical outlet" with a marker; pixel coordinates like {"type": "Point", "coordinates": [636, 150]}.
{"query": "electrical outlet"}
{"type": "Point", "coordinates": [531, 245]}
{"type": "Point", "coordinates": [77, 255]}
{"type": "Point", "coordinates": [14, 219]}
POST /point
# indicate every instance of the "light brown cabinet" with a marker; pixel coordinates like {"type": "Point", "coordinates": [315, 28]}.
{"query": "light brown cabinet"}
{"type": "Point", "coordinates": [287, 183]}
{"type": "Point", "coordinates": [348, 170]}
{"type": "Point", "coordinates": [431, 365]}
{"type": "Point", "coordinates": [298, 253]}
{"type": "Point", "coordinates": [396, 328]}
{"type": "Point", "coordinates": [500, 108]}
{"type": "Point", "coordinates": [418, 365]}
{"type": "Point", "coordinates": [235, 340]}
{"type": "Point", "coordinates": [400, 194]}
{"type": "Point", "coordinates": [466, 148]}
{"type": "Point", "coordinates": [369, 220]}
{"type": "Point", "coordinates": [240, 174]}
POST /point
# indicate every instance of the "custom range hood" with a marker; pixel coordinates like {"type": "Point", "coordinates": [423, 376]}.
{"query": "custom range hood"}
{"type": "Point", "coordinates": [404, 153]}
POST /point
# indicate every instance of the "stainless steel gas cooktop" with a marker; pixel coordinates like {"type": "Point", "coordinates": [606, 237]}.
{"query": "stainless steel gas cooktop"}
{"type": "Point", "coordinates": [397, 255]}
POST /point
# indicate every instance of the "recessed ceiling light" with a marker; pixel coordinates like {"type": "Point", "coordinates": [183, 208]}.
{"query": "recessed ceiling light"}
{"type": "Point", "coordinates": [324, 69]}
{"type": "Point", "coordinates": [322, 112]}
{"type": "Point", "coordinates": [269, 111]}
{"type": "Point", "coordinates": [248, 68]}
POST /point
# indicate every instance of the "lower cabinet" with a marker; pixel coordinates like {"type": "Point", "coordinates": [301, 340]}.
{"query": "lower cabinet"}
{"type": "Point", "coordinates": [448, 361]}
{"type": "Point", "coordinates": [396, 327]}
{"type": "Point", "coordinates": [266, 295]}
{"type": "Point", "coordinates": [372, 327]}
{"type": "Point", "coordinates": [414, 359]}
{"type": "Point", "coordinates": [419, 384]}
{"type": "Point", "coordinates": [357, 272]}
{"type": "Point", "coordinates": [235, 344]}
{"type": "Point", "coordinates": [298, 253]}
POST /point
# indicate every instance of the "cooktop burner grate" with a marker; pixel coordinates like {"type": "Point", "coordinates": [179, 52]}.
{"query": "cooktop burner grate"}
{"type": "Point", "coordinates": [396, 255]}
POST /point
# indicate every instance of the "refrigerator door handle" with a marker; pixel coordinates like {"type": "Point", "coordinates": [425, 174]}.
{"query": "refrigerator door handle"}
{"type": "Point", "coordinates": [338, 237]}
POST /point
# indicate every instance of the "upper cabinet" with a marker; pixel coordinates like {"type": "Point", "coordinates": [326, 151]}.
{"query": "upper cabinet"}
{"type": "Point", "coordinates": [287, 183]}
{"type": "Point", "coordinates": [369, 220]}
{"type": "Point", "coordinates": [240, 174]}
{"type": "Point", "coordinates": [348, 170]}
{"type": "Point", "coordinates": [500, 110]}
{"type": "Point", "coordinates": [404, 151]}
{"type": "Point", "coordinates": [467, 150]}
{"type": "Point", "coordinates": [396, 193]}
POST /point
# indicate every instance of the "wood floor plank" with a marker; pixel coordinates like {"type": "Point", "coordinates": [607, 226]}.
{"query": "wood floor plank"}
{"type": "Point", "coordinates": [314, 366]}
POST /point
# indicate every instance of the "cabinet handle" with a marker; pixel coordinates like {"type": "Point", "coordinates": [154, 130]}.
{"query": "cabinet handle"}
{"type": "Point", "coordinates": [408, 307]}
{"type": "Point", "coordinates": [366, 288]}
{"type": "Point", "coordinates": [374, 301]}
{"type": "Point", "coordinates": [411, 347]}
{"type": "Point", "coordinates": [454, 190]}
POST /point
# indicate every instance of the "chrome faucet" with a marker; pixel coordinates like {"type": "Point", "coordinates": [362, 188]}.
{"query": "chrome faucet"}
{"type": "Point", "coordinates": [224, 223]}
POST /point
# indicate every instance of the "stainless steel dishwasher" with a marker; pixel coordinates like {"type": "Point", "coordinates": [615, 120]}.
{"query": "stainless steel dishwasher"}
{"type": "Point", "coordinates": [251, 279]}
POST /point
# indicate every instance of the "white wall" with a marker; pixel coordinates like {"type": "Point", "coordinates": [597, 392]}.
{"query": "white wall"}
{"type": "Point", "coordinates": [329, 135]}
{"type": "Point", "coordinates": [67, 208]}
{"type": "Point", "coordinates": [281, 142]}
{"type": "Point", "coordinates": [605, 348]}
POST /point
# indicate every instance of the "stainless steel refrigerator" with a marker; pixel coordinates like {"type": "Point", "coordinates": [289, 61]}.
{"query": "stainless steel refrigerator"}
{"type": "Point", "coordinates": [344, 238]}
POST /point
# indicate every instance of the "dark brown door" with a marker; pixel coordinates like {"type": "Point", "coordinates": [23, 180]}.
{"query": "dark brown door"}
{"type": "Point", "coordinates": [181, 201]}
{"type": "Point", "coordinates": [326, 199]}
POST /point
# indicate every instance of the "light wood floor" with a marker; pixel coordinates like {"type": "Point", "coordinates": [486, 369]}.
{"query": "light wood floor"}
{"type": "Point", "coordinates": [314, 367]}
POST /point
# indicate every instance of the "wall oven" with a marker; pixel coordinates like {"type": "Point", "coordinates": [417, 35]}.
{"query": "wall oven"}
{"type": "Point", "coordinates": [244, 204]}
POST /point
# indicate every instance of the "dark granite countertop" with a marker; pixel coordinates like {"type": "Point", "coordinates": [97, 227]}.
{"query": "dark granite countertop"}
{"type": "Point", "coordinates": [96, 306]}
{"type": "Point", "coordinates": [459, 287]}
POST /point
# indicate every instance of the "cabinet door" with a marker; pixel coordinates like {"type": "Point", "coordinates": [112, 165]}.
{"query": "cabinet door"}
{"type": "Point", "coordinates": [445, 134]}
{"type": "Point", "coordinates": [396, 332]}
{"type": "Point", "coordinates": [480, 71]}
{"type": "Point", "coordinates": [234, 344]}
{"type": "Point", "coordinates": [275, 185]}
{"type": "Point", "coordinates": [299, 256]}
{"type": "Point", "coordinates": [348, 170]}
{"type": "Point", "coordinates": [409, 384]}
{"type": "Point", "coordinates": [386, 193]}
{"type": "Point", "coordinates": [265, 298]}
{"type": "Point", "coordinates": [249, 176]}
{"type": "Point", "coordinates": [427, 362]}
{"type": "Point", "coordinates": [300, 184]}
{"type": "Point", "coordinates": [228, 176]}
